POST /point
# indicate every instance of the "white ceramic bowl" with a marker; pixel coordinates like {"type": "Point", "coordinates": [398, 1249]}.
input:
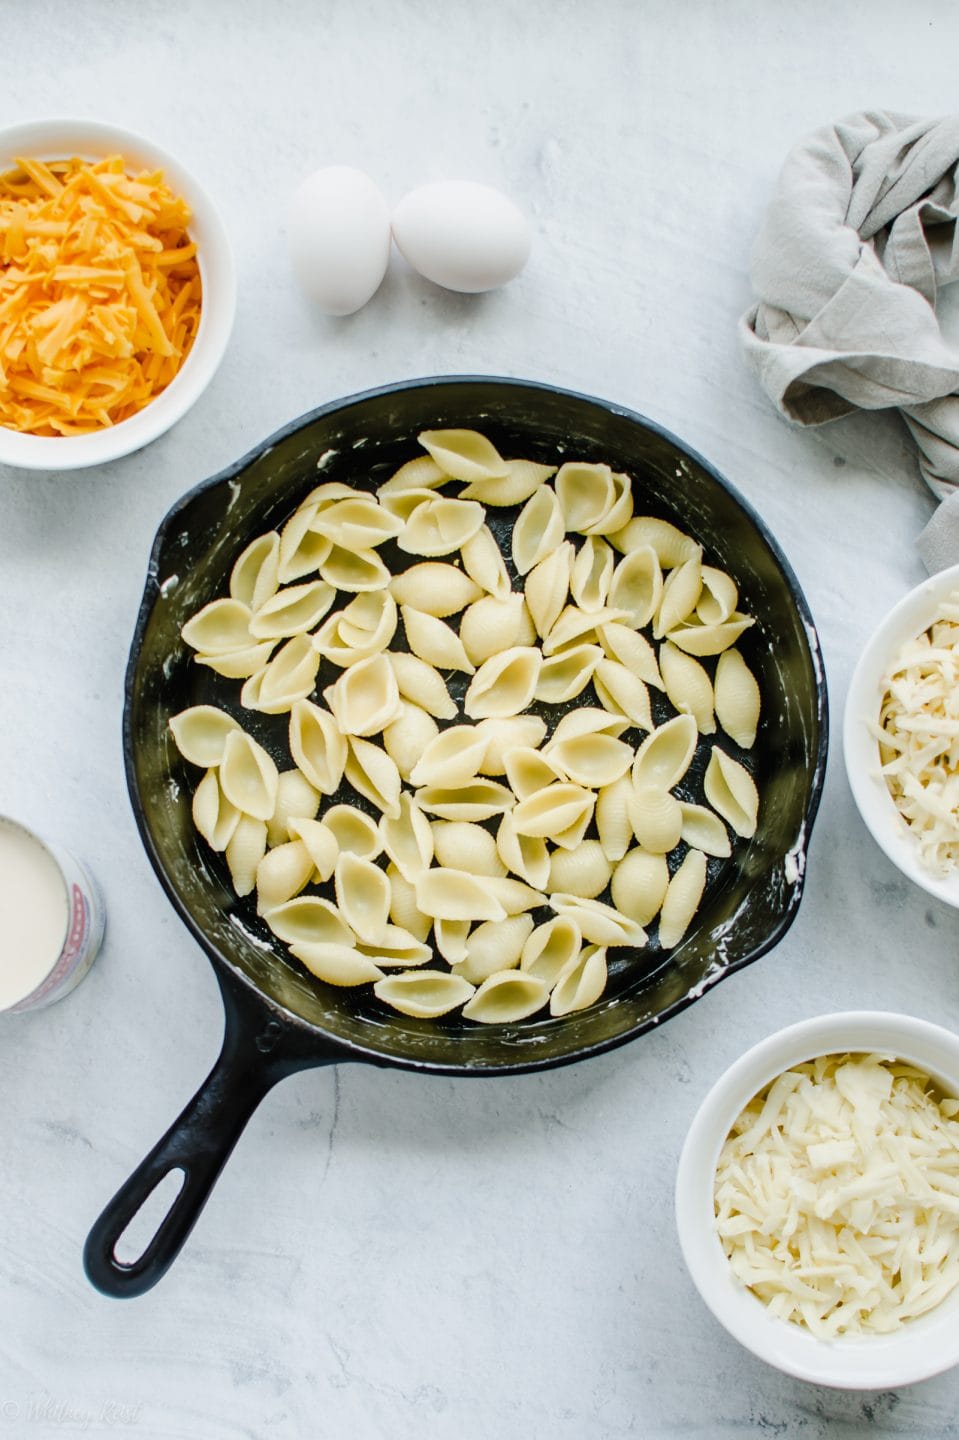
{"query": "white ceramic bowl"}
{"type": "Point", "coordinates": [91, 140]}
{"type": "Point", "coordinates": [922, 1347]}
{"type": "Point", "coordinates": [914, 613]}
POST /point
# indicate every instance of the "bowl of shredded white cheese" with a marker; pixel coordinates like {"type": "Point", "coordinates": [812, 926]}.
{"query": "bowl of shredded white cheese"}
{"type": "Point", "coordinates": [901, 735]}
{"type": "Point", "coordinates": [817, 1200]}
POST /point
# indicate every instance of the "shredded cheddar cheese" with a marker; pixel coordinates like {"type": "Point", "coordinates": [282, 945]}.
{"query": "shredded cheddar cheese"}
{"type": "Point", "coordinates": [918, 735]}
{"type": "Point", "coordinates": [100, 294]}
{"type": "Point", "coordinates": [837, 1195]}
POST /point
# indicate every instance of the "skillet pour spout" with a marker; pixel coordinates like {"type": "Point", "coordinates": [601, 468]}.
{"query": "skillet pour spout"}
{"type": "Point", "coordinates": [280, 1019]}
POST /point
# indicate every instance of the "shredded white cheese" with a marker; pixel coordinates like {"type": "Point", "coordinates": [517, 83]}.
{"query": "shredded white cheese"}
{"type": "Point", "coordinates": [837, 1195]}
{"type": "Point", "coordinates": [918, 735]}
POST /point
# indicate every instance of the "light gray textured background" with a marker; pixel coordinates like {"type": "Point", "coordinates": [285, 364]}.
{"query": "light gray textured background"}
{"type": "Point", "coordinates": [387, 1256]}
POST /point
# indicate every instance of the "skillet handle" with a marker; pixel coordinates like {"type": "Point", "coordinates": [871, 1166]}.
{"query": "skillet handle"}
{"type": "Point", "coordinates": [258, 1050]}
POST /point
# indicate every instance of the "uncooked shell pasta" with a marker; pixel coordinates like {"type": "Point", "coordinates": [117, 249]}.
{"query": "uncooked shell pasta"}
{"type": "Point", "coordinates": [442, 796]}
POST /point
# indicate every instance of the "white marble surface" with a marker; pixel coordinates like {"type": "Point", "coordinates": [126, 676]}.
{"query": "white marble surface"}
{"type": "Point", "coordinates": [387, 1256]}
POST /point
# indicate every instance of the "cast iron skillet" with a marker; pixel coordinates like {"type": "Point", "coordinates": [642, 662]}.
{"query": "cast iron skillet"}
{"type": "Point", "coordinates": [279, 1019]}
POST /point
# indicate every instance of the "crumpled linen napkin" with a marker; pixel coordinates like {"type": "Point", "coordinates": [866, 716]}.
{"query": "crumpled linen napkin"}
{"type": "Point", "coordinates": [859, 236]}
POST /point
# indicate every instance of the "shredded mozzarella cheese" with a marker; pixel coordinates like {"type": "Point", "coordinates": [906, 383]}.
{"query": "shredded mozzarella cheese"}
{"type": "Point", "coordinates": [918, 734]}
{"type": "Point", "coordinates": [837, 1195]}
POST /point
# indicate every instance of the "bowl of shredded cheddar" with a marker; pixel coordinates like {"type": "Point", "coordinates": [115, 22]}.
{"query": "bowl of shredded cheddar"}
{"type": "Point", "coordinates": [117, 293]}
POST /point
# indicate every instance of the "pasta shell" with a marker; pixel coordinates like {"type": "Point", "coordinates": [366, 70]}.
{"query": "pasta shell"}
{"type": "Point", "coordinates": [491, 625]}
{"type": "Point", "coordinates": [248, 776]}
{"type": "Point", "coordinates": [637, 586]}
{"type": "Point", "coordinates": [456, 895]}
{"type": "Point", "coordinates": [335, 964]}
{"type": "Point", "coordinates": [704, 830]}
{"type": "Point", "coordinates": [309, 919]}
{"type": "Point", "coordinates": [297, 799]}
{"type": "Point", "coordinates": [406, 737]}
{"type": "Point", "coordinates": [460, 845]}
{"type": "Point", "coordinates": [440, 525]}
{"type": "Point", "coordinates": [292, 610]}
{"type": "Point", "coordinates": [494, 946]}
{"type": "Point", "coordinates": [731, 790]}
{"type": "Point", "coordinates": [639, 885]}
{"type": "Point", "coordinates": [598, 923]}
{"type": "Point", "coordinates": [719, 596]}
{"type": "Point", "coordinates": [576, 625]}
{"type": "Point", "coordinates": [566, 675]}
{"type": "Point", "coordinates": [547, 586]}
{"type": "Point", "coordinates": [366, 698]}
{"type": "Point", "coordinates": [480, 800]}
{"type": "Point", "coordinates": [289, 676]}
{"type": "Point", "coordinates": [404, 911]}
{"type": "Point", "coordinates": [737, 698]}
{"type": "Point", "coordinates": [550, 948]}
{"type": "Point", "coordinates": [620, 512]}
{"type": "Point", "coordinates": [483, 562]}
{"type": "Point", "coordinates": [238, 664]}
{"type": "Point", "coordinates": [434, 641]}
{"type": "Point", "coordinates": [244, 851]}
{"type": "Point", "coordinates": [219, 628]}
{"type": "Point", "coordinates": [200, 734]}
{"type": "Point", "coordinates": [363, 896]}
{"type": "Point", "coordinates": [435, 588]}
{"type": "Point", "coordinates": [587, 720]}
{"type": "Point", "coordinates": [396, 946]}
{"type": "Point", "coordinates": [317, 745]}
{"type": "Point", "coordinates": [681, 592]}
{"type": "Point", "coordinates": [464, 454]}
{"type": "Point", "coordinates": [423, 994]}
{"type": "Point", "coordinates": [581, 983]}
{"type": "Point", "coordinates": [325, 495]}
{"type": "Point", "coordinates": [585, 493]}
{"type": "Point", "coordinates": [683, 895]}
{"type": "Point", "coordinates": [591, 574]}
{"type": "Point", "coordinates": [548, 812]}
{"type": "Point", "coordinates": [213, 815]}
{"type": "Point", "coordinates": [282, 873]}
{"type": "Point", "coordinates": [423, 473]}
{"type": "Point", "coordinates": [320, 842]}
{"type": "Point", "coordinates": [656, 818]}
{"type": "Point", "coordinates": [665, 755]}
{"type": "Point", "coordinates": [584, 872]}
{"type": "Point", "coordinates": [631, 649]}
{"type": "Point", "coordinates": [572, 837]}
{"type": "Point", "coordinates": [402, 503]}
{"type": "Point", "coordinates": [522, 479]}
{"type": "Point", "coordinates": [539, 529]}
{"type": "Point", "coordinates": [592, 760]}
{"type": "Point", "coordinates": [357, 523]}
{"type": "Point", "coordinates": [373, 773]}
{"type": "Point", "coordinates": [613, 824]}
{"type": "Point", "coordinates": [363, 628]}
{"type": "Point", "coordinates": [452, 759]}
{"type": "Point", "coordinates": [354, 570]}
{"type": "Point", "coordinates": [302, 550]}
{"type": "Point", "coordinates": [513, 895]}
{"type": "Point", "coordinates": [506, 733]}
{"type": "Point", "coordinates": [524, 855]}
{"type": "Point", "coordinates": [710, 639]}
{"type": "Point", "coordinates": [621, 692]}
{"type": "Point", "coordinates": [450, 937]}
{"type": "Point", "coordinates": [673, 547]}
{"type": "Point", "coordinates": [688, 686]}
{"type": "Point", "coordinates": [408, 838]}
{"type": "Point", "coordinates": [505, 684]}
{"type": "Point", "coordinates": [354, 831]}
{"type": "Point", "coordinates": [529, 770]}
{"type": "Point", "coordinates": [506, 997]}
{"type": "Point", "coordinates": [255, 576]}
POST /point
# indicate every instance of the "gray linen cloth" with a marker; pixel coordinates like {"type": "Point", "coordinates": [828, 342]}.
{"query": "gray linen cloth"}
{"type": "Point", "coordinates": [860, 234]}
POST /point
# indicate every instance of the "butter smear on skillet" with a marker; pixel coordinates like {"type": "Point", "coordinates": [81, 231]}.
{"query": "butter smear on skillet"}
{"type": "Point", "coordinates": [837, 1195]}
{"type": "Point", "coordinates": [918, 736]}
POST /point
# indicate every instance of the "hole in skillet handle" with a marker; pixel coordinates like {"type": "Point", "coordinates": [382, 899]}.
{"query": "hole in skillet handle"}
{"type": "Point", "coordinates": [135, 1239]}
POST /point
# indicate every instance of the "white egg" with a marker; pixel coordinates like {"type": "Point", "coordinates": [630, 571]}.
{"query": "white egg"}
{"type": "Point", "coordinates": [462, 235]}
{"type": "Point", "coordinates": [339, 235]}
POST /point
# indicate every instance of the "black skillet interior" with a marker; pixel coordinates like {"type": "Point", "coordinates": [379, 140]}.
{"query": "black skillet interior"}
{"type": "Point", "coordinates": [751, 899]}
